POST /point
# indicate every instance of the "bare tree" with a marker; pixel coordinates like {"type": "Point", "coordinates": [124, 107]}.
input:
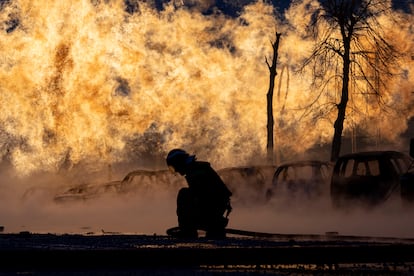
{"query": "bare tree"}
{"type": "Point", "coordinates": [270, 119]}
{"type": "Point", "coordinates": [348, 32]}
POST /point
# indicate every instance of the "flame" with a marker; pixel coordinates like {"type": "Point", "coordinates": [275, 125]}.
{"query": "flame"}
{"type": "Point", "coordinates": [89, 81]}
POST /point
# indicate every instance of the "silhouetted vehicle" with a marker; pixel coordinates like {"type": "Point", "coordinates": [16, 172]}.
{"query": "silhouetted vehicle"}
{"type": "Point", "coordinates": [306, 179]}
{"type": "Point", "coordinates": [367, 178]}
{"type": "Point", "coordinates": [248, 184]}
{"type": "Point", "coordinates": [142, 181]}
{"type": "Point", "coordinates": [407, 186]}
{"type": "Point", "coordinates": [407, 180]}
{"type": "Point", "coordinates": [86, 191]}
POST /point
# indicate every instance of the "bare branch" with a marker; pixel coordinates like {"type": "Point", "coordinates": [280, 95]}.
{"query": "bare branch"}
{"type": "Point", "coordinates": [362, 49]}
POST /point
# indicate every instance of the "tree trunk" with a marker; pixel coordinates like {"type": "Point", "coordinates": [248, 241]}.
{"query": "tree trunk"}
{"type": "Point", "coordinates": [339, 123]}
{"type": "Point", "coordinates": [270, 119]}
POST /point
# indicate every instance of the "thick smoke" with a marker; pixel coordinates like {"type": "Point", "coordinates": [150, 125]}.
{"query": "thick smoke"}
{"type": "Point", "coordinates": [114, 85]}
{"type": "Point", "coordinates": [146, 205]}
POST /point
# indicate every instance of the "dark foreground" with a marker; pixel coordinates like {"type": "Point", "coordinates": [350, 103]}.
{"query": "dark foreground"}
{"type": "Point", "coordinates": [277, 254]}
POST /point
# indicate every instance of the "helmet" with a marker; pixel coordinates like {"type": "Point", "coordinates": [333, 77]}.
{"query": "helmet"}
{"type": "Point", "coordinates": [178, 159]}
{"type": "Point", "coordinates": [176, 156]}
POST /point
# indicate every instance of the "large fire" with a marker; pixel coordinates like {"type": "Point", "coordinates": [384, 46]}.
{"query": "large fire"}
{"type": "Point", "coordinates": [88, 81]}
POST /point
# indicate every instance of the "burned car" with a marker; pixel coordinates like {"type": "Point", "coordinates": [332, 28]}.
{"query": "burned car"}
{"type": "Point", "coordinates": [367, 179]}
{"type": "Point", "coordinates": [407, 186]}
{"type": "Point", "coordinates": [247, 183]}
{"type": "Point", "coordinates": [138, 181]}
{"type": "Point", "coordinates": [304, 180]}
{"type": "Point", "coordinates": [407, 181]}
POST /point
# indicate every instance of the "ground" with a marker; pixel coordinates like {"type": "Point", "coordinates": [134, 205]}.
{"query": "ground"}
{"type": "Point", "coordinates": [122, 254]}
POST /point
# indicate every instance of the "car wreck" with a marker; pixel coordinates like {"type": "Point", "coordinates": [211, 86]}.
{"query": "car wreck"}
{"type": "Point", "coordinates": [304, 180]}
{"type": "Point", "coordinates": [368, 179]}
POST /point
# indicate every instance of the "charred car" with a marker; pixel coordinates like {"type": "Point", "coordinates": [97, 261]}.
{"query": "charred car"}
{"type": "Point", "coordinates": [306, 179]}
{"type": "Point", "coordinates": [247, 183]}
{"type": "Point", "coordinates": [407, 186]}
{"type": "Point", "coordinates": [407, 181]}
{"type": "Point", "coordinates": [367, 179]}
{"type": "Point", "coordinates": [138, 181]}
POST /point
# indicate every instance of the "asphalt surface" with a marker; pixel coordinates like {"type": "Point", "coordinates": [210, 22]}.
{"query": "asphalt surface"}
{"type": "Point", "coordinates": [238, 254]}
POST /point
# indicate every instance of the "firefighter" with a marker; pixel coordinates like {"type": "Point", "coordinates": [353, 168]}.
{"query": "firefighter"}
{"type": "Point", "coordinates": [205, 203]}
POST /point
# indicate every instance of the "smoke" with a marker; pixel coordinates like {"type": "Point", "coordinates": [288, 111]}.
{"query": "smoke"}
{"type": "Point", "coordinates": [390, 220]}
{"type": "Point", "coordinates": [147, 206]}
{"type": "Point", "coordinates": [90, 86]}
{"type": "Point", "coordinates": [114, 85]}
{"type": "Point", "coordinates": [37, 205]}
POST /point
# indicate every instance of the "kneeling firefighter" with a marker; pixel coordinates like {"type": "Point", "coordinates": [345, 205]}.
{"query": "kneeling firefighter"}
{"type": "Point", "coordinates": [205, 203]}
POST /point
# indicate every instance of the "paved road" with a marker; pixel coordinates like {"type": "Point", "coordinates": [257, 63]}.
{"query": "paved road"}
{"type": "Point", "coordinates": [28, 252]}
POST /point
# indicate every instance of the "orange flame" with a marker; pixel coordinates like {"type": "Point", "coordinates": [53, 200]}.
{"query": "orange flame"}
{"type": "Point", "coordinates": [80, 80]}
